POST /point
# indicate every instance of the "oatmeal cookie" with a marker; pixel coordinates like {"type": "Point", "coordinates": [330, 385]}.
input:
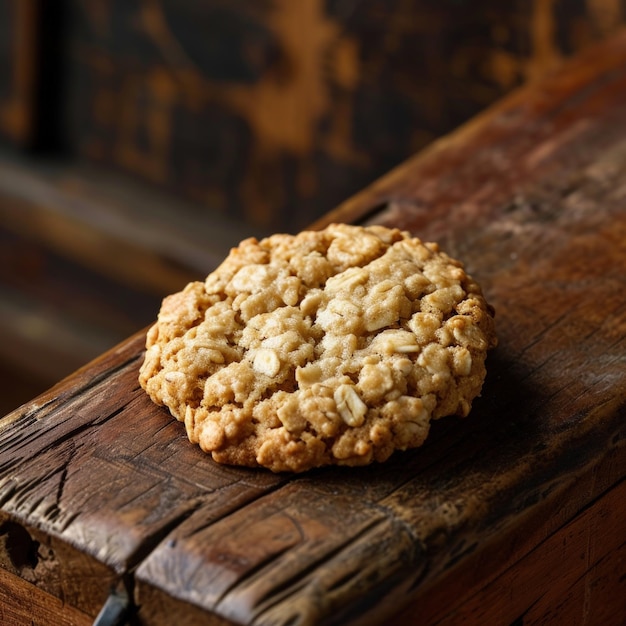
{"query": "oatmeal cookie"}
{"type": "Point", "coordinates": [330, 347]}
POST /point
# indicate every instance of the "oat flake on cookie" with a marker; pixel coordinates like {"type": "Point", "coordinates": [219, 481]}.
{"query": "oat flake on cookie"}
{"type": "Point", "coordinates": [332, 347]}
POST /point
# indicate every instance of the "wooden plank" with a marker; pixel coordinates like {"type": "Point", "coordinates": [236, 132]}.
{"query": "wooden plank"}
{"type": "Point", "coordinates": [304, 543]}
{"type": "Point", "coordinates": [547, 251]}
{"type": "Point", "coordinates": [588, 557]}
{"type": "Point", "coordinates": [32, 558]}
{"type": "Point", "coordinates": [24, 603]}
{"type": "Point", "coordinates": [519, 551]}
{"type": "Point", "coordinates": [55, 454]}
{"type": "Point", "coordinates": [18, 59]}
{"type": "Point", "coordinates": [531, 198]}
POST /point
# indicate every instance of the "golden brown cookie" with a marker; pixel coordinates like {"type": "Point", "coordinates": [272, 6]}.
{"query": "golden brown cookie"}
{"type": "Point", "coordinates": [329, 347]}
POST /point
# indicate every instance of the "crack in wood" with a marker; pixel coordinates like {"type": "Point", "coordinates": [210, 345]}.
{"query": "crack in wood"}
{"type": "Point", "coordinates": [149, 544]}
{"type": "Point", "coordinates": [251, 498]}
{"type": "Point", "coordinates": [61, 487]}
{"type": "Point", "coordinates": [319, 574]}
{"type": "Point", "coordinates": [290, 586]}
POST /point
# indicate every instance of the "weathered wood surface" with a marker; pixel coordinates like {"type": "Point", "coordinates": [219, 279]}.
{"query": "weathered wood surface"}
{"type": "Point", "coordinates": [85, 442]}
{"type": "Point", "coordinates": [574, 576]}
{"type": "Point", "coordinates": [531, 196]}
{"type": "Point", "coordinates": [34, 606]}
{"type": "Point", "coordinates": [276, 111]}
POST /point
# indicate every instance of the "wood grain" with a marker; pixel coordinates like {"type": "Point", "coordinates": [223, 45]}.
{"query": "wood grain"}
{"type": "Point", "coordinates": [98, 479]}
{"type": "Point", "coordinates": [525, 242]}
{"type": "Point", "coordinates": [276, 111]}
{"type": "Point", "coordinates": [25, 603]}
{"type": "Point", "coordinates": [590, 590]}
{"type": "Point", "coordinates": [523, 551]}
{"type": "Point", "coordinates": [530, 196]}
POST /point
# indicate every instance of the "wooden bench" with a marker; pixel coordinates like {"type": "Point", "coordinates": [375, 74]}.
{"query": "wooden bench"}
{"type": "Point", "coordinates": [515, 515]}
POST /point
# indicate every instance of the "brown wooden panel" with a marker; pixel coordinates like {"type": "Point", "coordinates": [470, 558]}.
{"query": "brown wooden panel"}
{"type": "Point", "coordinates": [18, 60]}
{"type": "Point", "coordinates": [553, 573]}
{"type": "Point", "coordinates": [85, 259]}
{"type": "Point", "coordinates": [276, 111]}
{"type": "Point", "coordinates": [59, 573]}
{"type": "Point", "coordinates": [588, 590]}
{"type": "Point", "coordinates": [24, 603]}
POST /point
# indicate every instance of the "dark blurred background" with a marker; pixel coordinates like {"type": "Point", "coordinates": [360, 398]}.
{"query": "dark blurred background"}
{"type": "Point", "coordinates": [141, 139]}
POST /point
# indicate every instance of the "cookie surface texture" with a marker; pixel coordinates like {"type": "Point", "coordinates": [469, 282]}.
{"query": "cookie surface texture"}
{"type": "Point", "coordinates": [333, 347]}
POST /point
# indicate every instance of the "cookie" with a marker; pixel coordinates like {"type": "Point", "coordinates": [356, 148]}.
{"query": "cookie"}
{"type": "Point", "coordinates": [328, 347]}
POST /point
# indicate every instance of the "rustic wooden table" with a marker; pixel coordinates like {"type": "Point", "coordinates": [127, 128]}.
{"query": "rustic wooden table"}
{"type": "Point", "coordinates": [515, 515]}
